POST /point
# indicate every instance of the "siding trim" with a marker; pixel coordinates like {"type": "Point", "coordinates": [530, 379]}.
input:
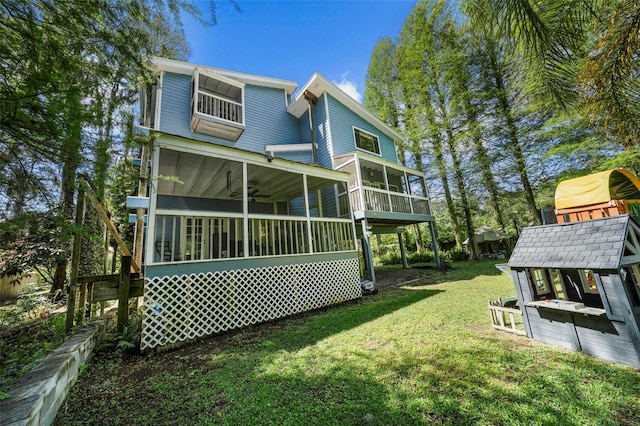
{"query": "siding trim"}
{"type": "Point", "coordinates": [158, 102]}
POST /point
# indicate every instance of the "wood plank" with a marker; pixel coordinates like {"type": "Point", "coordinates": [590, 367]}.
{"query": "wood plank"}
{"type": "Point", "coordinates": [105, 218]}
{"type": "Point", "coordinates": [105, 291]}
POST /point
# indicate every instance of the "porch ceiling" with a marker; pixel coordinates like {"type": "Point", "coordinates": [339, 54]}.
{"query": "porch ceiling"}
{"type": "Point", "coordinates": [192, 175]}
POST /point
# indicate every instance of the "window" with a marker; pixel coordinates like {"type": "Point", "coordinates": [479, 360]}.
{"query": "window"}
{"type": "Point", "coordinates": [557, 284]}
{"type": "Point", "coordinates": [540, 282]}
{"type": "Point", "coordinates": [366, 141]}
{"type": "Point", "coordinates": [589, 282]}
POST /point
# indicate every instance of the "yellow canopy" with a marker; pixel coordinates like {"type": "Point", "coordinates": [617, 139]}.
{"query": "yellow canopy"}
{"type": "Point", "coordinates": [615, 184]}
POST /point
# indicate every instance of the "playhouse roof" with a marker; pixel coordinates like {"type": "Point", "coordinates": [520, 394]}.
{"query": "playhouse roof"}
{"type": "Point", "coordinates": [596, 188]}
{"type": "Point", "coordinates": [589, 244]}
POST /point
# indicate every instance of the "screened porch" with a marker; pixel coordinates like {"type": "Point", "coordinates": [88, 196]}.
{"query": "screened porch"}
{"type": "Point", "coordinates": [215, 208]}
{"type": "Point", "coordinates": [376, 185]}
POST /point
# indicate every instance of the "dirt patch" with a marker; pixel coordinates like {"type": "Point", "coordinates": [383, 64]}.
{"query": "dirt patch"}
{"type": "Point", "coordinates": [397, 277]}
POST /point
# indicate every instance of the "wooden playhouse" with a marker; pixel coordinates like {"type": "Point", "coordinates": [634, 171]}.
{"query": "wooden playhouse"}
{"type": "Point", "coordinates": [578, 281]}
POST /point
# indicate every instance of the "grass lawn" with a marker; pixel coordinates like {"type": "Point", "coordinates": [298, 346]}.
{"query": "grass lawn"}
{"type": "Point", "coordinates": [420, 354]}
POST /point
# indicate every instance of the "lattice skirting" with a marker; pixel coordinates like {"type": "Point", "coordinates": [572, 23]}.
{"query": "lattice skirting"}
{"type": "Point", "coordinates": [181, 308]}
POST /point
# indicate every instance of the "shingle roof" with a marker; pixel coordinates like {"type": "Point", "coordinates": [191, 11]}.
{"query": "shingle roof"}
{"type": "Point", "coordinates": [589, 244]}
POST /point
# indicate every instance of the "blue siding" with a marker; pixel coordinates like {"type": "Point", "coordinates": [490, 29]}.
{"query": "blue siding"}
{"type": "Point", "coordinates": [342, 122]}
{"type": "Point", "coordinates": [329, 207]}
{"type": "Point", "coordinates": [300, 157]}
{"type": "Point", "coordinates": [267, 120]}
{"type": "Point", "coordinates": [303, 128]}
{"type": "Point", "coordinates": [322, 132]}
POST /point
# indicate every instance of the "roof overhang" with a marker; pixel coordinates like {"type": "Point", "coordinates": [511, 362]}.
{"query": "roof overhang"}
{"type": "Point", "coordinates": [185, 68]}
{"type": "Point", "coordinates": [318, 85]}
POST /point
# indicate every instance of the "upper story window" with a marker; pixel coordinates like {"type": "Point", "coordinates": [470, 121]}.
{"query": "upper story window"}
{"type": "Point", "coordinates": [366, 141]}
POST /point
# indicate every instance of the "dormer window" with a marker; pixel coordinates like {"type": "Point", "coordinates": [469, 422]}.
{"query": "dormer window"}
{"type": "Point", "coordinates": [366, 141]}
{"type": "Point", "coordinates": [217, 107]}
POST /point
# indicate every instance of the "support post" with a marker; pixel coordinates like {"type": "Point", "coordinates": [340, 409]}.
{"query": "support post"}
{"type": "Point", "coordinates": [366, 251]}
{"type": "Point", "coordinates": [434, 243]}
{"type": "Point", "coordinates": [75, 260]}
{"type": "Point", "coordinates": [124, 285]}
{"type": "Point", "coordinates": [405, 265]}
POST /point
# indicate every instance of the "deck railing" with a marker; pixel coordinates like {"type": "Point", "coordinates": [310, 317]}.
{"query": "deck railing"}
{"type": "Point", "coordinates": [216, 106]}
{"type": "Point", "coordinates": [188, 238]}
{"type": "Point", "coordinates": [382, 201]}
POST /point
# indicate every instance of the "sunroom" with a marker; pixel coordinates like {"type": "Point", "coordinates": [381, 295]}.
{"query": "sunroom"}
{"type": "Point", "coordinates": [236, 238]}
{"type": "Point", "coordinates": [217, 105]}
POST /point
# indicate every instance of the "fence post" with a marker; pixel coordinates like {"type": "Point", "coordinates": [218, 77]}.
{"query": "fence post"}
{"type": "Point", "coordinates": [123, 293]}
{"type": "Point", "coordinates": [75, 260]}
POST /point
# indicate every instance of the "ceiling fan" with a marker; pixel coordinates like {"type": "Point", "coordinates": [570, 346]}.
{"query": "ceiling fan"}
{"type": "Point", "coordinates": [252, 190]}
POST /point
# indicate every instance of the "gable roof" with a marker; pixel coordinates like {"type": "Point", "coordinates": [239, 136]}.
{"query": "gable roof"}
{"type": "Point", "coordinates": [589, 244]}
{"type": "Point", "coordinates": [596, 188]}
{"type": "Point", "coordinates": [179, 67]}
{"type": "Point", "coordinates": [318, 85]}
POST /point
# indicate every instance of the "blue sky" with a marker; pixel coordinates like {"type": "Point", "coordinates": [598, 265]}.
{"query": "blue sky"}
{"type": "Point", "coordinates": [292, 39]}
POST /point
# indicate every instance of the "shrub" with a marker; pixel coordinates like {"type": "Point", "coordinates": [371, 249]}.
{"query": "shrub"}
{"type": "Point", "coordinates": [455, 255]}
{"type": "Point", "coordinates": [391, 258]}
{"type": "Point", "coordinates": [422, 256]}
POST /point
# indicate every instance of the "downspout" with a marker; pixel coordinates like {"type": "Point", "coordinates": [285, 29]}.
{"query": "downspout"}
{"type": "Point", "coordinates": [313, 99]}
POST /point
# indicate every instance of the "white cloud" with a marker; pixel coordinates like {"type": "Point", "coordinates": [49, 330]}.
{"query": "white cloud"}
{"type": "Point", "coordinates": [349, 87]}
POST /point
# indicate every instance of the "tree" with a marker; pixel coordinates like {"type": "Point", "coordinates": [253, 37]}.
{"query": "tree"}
{"type": "Point", "coordinates": [580, 53]}
{"type": "Point", "coordinates": [66, 68]}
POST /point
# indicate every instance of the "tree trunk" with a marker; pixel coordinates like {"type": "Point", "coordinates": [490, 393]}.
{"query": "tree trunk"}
{"type": "Point", "coordinates": [482, 158]}
{"type": "Point", "coordinates": [71, 161]}
{"type": "Point", "coordinates": [513, 140]}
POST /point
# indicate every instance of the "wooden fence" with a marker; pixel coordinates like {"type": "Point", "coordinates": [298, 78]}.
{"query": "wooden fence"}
{"type": "Point", "coordinates": [102, 288]}
{"type": "Point", "coordinates": [506, 319]}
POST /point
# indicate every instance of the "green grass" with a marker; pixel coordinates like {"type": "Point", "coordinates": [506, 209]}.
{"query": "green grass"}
{"type": "Point", "coordinates": [424, 354]}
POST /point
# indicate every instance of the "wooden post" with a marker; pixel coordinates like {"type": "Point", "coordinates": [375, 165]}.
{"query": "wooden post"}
{"type": "Point", "coordinates": [87, 313]}
{"type": "Point", "coordinates": [82, 302]}
{"type": "Point", "coordinates": [75, 260]}
{"type": "Point", "coordinates": [123, 293]}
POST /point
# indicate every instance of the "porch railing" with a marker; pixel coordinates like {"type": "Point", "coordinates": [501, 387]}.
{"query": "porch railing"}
{"type": "Point", "coordinates": [382, 201]}
{"type": "Point", "coordinates": [216, 106]}
{"type": "Point", "coordinates": [188, 238]}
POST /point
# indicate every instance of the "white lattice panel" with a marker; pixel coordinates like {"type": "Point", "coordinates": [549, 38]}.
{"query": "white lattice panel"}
{"type": "Point", "coordinates": [180, 308]}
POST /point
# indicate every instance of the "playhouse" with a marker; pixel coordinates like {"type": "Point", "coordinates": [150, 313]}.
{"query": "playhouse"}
{"type": "Point", "coordinates": [578, 282]}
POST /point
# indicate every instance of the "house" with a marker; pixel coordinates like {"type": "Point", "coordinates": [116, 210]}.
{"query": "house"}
{"type": "Point", "coordinates": [578, 286]}
{"type": "Point", "coordinates": [258, 199]}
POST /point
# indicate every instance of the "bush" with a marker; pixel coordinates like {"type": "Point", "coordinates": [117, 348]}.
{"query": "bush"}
{"type": "Point", "coordinates": [423, 256]}
{"type": "Point", "coordinates": [455, 255]}
{"type": "Point", "coordinates": [391, 258]}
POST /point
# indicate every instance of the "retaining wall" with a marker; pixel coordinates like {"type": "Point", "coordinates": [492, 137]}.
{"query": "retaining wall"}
{"type": "Point", "coordinates": [37, 398]}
